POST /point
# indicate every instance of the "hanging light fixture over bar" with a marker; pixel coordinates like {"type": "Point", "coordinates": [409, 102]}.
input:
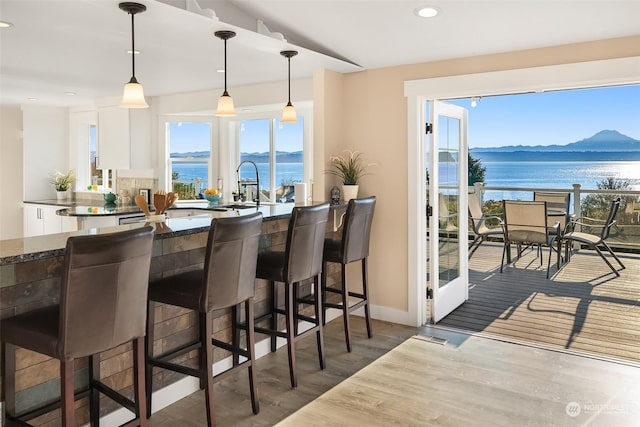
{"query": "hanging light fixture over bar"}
{"type": "Point", "coordinates": [289, 112]}
{"type": "Point", "coordinates": [225, 102]}
{"type": "Point", "coordinates": [133, 96]}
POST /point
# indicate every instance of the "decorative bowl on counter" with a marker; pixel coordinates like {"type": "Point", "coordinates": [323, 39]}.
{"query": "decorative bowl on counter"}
{"type": "Point", "coordinates": [212, 198]}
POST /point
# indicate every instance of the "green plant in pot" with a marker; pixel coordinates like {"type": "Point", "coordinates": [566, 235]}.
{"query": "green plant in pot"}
{"type": "Point", "coordinates": [349, 169]}
{"type": "Point", "coordinates": [62, 182]}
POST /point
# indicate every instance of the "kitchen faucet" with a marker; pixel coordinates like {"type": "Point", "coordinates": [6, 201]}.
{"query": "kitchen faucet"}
{"type": "Point", "coordinates": [257, 183]}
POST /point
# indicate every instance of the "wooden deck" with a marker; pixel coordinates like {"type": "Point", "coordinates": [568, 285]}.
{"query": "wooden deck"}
{"type": "Point", "coordinates": [583, 308]}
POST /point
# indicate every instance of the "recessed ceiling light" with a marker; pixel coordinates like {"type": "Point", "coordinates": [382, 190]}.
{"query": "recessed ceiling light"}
{"type": "Point", "coordinates": [426, 11]}
{"type": "Point", "coordinates": [5, 24]}
{"type": "Point", "coordinates": [137, 52]}
{"type": "Point", "coordinates": [32, 99]}
{"type": "Point", "coordinates": [70, 93]}
{"type": "Point", "coordinates": [220, 70]}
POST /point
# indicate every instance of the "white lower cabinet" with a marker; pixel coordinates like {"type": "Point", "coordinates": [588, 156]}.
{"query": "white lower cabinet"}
{"type": "Point", "coordinates": [42, 219]}
{"type": "Point", "coordinates": [87, 222]}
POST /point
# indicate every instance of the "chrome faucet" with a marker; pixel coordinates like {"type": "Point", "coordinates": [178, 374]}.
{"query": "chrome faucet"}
{"type": "Point", "coordinates": [257, 183]}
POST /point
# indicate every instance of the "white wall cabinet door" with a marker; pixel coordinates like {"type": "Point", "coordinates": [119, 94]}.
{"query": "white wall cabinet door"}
{"type": "Point", "coordinates": [114, 138]}
{"type": "Point", "coordinates": [42, 219]}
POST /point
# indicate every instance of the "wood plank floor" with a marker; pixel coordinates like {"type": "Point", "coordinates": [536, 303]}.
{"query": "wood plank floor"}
{"type": "Point", "coordinates": [584, 307]}
{"type": "Point", "coordinates": [277, 398]}
{"type": "Point", "coordinates": [478, 382]}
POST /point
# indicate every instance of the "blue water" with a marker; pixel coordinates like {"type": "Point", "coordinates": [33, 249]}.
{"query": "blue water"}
{"type": "Point", "coordinates": [560, 175]}
{"type": "Point", "coordinates": [287, 173]}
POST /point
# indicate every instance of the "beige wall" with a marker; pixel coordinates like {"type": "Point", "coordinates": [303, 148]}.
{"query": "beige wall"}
{"type": "Point", "coordinates": [11, 172]}
{"type": "Point", "coordinates": [373, 119]}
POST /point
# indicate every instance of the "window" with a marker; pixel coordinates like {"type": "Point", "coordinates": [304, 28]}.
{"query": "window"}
{"type": "Point", "coordinates": [277, 150]}
{"type": "Point", "coordinates": [100, 178]}
{"type": "Point", "coordinates": [189, 146]}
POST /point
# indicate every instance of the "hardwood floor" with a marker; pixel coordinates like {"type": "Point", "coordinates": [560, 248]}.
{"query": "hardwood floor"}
{"type": "Point", "coordinates": [474, 381]}
{"type": "Point", "coordinates": [470, 380]}
{"type": "Point", "coordinates": [277, 398]}
{"type": "Point", "coordinates": [584, 307]}
{"type": "Point", "coordinates": [475, 378]}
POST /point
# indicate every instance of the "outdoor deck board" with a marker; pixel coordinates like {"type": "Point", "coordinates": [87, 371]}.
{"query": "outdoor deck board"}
{"type": "Point", "coordinates": [583, 307]}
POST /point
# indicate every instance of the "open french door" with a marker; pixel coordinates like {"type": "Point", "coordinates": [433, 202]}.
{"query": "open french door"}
{"type": "Point", "coordinates": [448, 214]}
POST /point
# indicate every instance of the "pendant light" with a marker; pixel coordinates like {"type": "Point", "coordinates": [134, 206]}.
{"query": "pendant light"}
{"type": "Point", "coordinates": [225, 103]}
{"type": "Point", "coordinates": [289, 111]}
{"type": "Point", "coordinates": [133, 96]}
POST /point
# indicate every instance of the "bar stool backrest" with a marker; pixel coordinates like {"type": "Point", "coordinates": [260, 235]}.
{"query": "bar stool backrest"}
{"type": "Point", "coordinates": [305, 242]}
{"type": "Point", "coordinates": [103, 291]}
{"type": "Point", "coordinates": [230, 261]}
{"type": "Point", "coordinates": [357, 229]}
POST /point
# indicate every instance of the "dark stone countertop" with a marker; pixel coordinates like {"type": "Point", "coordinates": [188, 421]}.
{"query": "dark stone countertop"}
{"type": "Point", "coordinates": [14, 251]}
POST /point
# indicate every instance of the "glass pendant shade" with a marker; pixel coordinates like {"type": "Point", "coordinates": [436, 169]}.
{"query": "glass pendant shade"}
{"type": "Point", "coordinates": [225, 102]}
{"type": "Point", "coordinates": [225, 106]}
{"type": "Point", "coordinates": [133, 96]}
{"type": "Point", "coordinates": [289, 114]}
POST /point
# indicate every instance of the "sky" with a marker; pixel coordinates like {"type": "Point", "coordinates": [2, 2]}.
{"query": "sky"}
{"type": "Point", "coordinates": [254, 135]}
{"type": "Point", "coordinates": [547, 118]}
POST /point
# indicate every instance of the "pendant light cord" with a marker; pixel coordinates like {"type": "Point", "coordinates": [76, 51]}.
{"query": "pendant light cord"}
{"type": "Point", "coordinates": [289, 77]}
{"type": "Point", "coordinates": [133, 51]}
{"type": "Point", "coordinates": [225, 68]}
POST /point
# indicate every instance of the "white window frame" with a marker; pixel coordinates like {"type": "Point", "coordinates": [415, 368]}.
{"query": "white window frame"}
{"type": "Point", "coordinates": [272, 114]}
{"type": "Point", "coordinates": [213, 162]}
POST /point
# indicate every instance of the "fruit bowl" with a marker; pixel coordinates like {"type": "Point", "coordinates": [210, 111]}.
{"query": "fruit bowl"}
{"type": "Point", "coordinates": [212, 198]}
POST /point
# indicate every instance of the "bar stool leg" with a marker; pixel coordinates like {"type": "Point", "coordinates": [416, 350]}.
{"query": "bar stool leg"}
{"type": "Point", "coordinates": [67, 394]}
{"type": "Point", "coordinates": [324, 292]}
{"type": "Point", "coordinates": [148, 346]}
{"type": "Point", "coordinates": [9, 378]}
{"type": "Point", "coordinates": [249, 313]}
{"type": "Point", "coordinates": [94, 395]}
{"type": "Point", "coordinates": [345, 306]}
{"type": "Point", "coordinates": [365, 293]}
{"type": "Point", "coordinates": [206, 368]}
{"type": "Point", "coordinates": [274, 314]}
{"type": "Point", "coordinates": [139, 381]}
{"type": "Point", "coordinates": [235, 334]}
{"type": "Point", "coordinates": [289, 319]}
{"type": "Point", "coordinates": [319, 320]}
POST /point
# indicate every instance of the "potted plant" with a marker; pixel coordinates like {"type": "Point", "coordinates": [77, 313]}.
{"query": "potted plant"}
{"type": "Point", "coordinates": [349, 169]}
{"type": "Point", "coordinates": [62, 182]}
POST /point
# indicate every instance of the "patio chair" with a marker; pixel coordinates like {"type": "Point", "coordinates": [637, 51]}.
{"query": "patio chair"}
{"type": "Point", "coordinates": [595, 240]}
{"type": "Point", "coordinates": [526, 223]}
{"type": "Point", "coordinates": [479, 223]}
{"type": "Point", "coordinates": [557, 212]}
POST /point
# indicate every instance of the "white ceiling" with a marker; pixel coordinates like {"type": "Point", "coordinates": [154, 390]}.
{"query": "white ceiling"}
{"type": "Point", "coordinates": [80, 46]}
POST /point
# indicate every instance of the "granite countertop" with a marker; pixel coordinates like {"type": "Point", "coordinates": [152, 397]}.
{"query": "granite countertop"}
{"type": "Point", "coordinates": [14, 251]}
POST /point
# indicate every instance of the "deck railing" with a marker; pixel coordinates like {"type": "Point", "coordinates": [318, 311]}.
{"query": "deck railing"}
{"type": "Point", "coordinates": [593, 203]}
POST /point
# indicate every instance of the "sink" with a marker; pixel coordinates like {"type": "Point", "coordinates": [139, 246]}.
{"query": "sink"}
{"type": "Point", "coordinates": [239, 206]}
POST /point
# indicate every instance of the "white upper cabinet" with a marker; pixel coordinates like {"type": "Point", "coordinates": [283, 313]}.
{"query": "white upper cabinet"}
{"type": "Point", "coordinates": [114, 138]}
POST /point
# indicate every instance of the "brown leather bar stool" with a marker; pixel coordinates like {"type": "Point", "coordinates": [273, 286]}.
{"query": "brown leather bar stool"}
{"type": "Point", "coordinates": [103, 288]}
{"type": "Point", "coordinates": [226, 281]}
{"type": "Point", "coordinates": [352, 245]}
{"type": "Point", "coordinates": [300, 260]}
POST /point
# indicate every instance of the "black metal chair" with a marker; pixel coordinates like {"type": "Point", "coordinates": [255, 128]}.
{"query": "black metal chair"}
{"type": "Point", "coordinates": [595, 240]}
{"type": "Point", "coordinates": [351, 246]}
{"type": "Point", "coordinates": [226, 281]}
{"type": "Point", "coordinates": [300, 260]}
{"type": "Point", "coordinates": [102, 295]}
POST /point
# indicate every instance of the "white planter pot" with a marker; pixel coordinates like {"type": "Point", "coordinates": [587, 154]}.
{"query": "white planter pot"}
{"type": "Point", "coordinates": [62, 195]}
{"type": "Point", "coordinates": [349, 192]}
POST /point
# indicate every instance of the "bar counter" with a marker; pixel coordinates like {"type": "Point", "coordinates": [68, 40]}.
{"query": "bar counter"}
{"type": "Point", "coordinates": [30, 271]}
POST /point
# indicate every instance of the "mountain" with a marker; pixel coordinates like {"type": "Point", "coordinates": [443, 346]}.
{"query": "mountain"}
{"type": "Point", "coordinates": [281, 156]}
{"type": "Point", "coordinates": [603, 141]}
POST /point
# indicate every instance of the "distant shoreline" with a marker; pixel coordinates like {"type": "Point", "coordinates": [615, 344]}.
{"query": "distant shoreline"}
{"type": "Point", "coordinates": [556, 156]}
